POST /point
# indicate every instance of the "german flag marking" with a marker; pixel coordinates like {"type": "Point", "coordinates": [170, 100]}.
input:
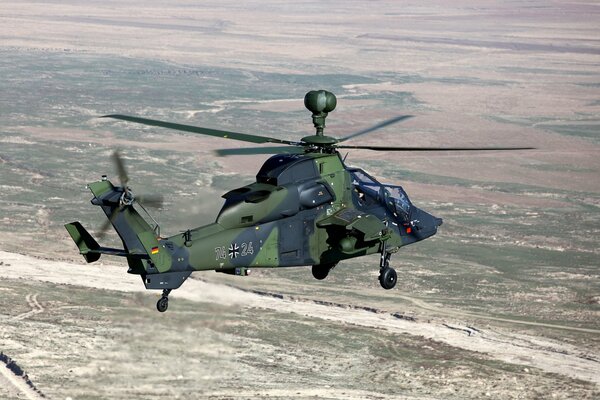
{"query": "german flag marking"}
{"type": "Point", "coordinates": [154, 250]}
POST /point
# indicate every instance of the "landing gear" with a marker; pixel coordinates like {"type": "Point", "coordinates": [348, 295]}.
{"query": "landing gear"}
{"type": "Point", "coordinates": [321, 271]}
{"type": "Point", "coordinates": [388, 278]}
{"type": "Point", "coordinates": [163, 303]}
{"type": "Point", "coordinates": [387, 275]}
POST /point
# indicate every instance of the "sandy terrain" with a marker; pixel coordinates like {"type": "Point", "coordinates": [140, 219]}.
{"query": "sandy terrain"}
{"type": "Point", "coordinates": [496, 343]}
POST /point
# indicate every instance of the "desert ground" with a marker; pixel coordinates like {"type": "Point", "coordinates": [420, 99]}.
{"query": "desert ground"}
{"type": "Point", "coordinates": [502, 303]}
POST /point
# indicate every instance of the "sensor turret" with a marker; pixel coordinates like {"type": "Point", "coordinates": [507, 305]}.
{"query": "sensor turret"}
{"type": "Point", "coordinates": [320, 103]}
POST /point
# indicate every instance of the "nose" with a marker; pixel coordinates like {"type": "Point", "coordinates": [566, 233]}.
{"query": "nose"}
{"type": "Point", "coordinates": [425, 224]}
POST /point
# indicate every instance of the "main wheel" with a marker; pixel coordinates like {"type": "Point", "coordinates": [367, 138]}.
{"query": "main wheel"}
{"type": "Point", "coordinates": [162, 304]}
{"type": "Point", "coordinates": [388, 278]}
{"type": "Point", "coordinates": [321, 271]}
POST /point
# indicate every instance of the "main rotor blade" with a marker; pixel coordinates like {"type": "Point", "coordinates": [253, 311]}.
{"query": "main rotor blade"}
{"type": "Point", "coordinates": [203, 131]}
{"type": "Point", "coordinates": [391, 148]}
{"type": "Point", "coordinates": [244, 151]}
{"type": "Point", "coordinates": [150, 200]}
{"type": "Point", "coordinates": [107, 223]}
{"type": "Point", "coordinates": [376, 127]}
{"type": "Point", "coordinates": [121, 170]}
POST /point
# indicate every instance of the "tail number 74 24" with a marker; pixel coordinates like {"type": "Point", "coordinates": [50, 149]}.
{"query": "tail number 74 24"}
{"type": "Point", "coordinates": [234, 250]}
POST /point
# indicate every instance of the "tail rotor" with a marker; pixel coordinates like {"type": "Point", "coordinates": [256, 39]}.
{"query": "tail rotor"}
{"type": "Point", "coordinates": [128, 198]}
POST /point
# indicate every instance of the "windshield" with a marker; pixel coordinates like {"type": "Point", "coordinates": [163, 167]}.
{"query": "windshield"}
{"type": "Point", "coordinates": [365, 183]}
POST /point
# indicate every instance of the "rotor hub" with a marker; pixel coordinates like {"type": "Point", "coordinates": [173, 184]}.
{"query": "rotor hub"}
{"type": "Point", "coordinates": [127, 198]}
{"type": "Point", "coordinates": [319, 140]}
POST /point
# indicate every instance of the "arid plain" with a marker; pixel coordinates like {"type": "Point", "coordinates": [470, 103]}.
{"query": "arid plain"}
{"type": "Point", "coordinates": [503, 303]}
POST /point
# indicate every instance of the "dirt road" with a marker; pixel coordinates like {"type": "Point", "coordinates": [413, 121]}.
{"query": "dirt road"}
{"type": "Point", "coordinates": [36, 307]}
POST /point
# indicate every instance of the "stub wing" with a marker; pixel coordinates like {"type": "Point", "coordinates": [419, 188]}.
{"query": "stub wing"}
{"type": "Point", "coordinates": [354, 220]}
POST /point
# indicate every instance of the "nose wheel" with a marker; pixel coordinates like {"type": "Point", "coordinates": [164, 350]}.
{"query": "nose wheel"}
{"type": "Point", "coordinates": [387, 275]}
{"type": "Point", "coordinates": [163, 303]}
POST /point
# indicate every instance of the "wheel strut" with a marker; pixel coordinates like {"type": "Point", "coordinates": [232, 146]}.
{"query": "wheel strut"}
{"type": "Point", "coordinates": [384, 259]}
{"type": "Point", "coordinates": [387, 275]}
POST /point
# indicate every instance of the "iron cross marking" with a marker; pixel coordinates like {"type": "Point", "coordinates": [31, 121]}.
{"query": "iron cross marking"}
{"type": "Point", "coordinates": [234, 250]}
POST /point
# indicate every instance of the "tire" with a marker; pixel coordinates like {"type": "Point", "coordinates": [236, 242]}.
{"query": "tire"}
{"type": "Point", "coordinates": [321, 271]}
{"type": "Point", "coordinates": [388, 278]}
{"type": "Point", "coordinates": [162, 304]}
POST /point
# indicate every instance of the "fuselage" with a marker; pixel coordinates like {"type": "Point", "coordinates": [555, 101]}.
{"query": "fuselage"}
{"type": "Point", "coordinates": [306, 209]}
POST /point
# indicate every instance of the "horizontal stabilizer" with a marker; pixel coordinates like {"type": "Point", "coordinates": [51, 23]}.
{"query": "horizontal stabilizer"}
{"type": "Point", "coordinates": [90, 249]}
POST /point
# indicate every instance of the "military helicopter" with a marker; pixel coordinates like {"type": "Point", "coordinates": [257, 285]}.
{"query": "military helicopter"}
{"type": "Point", "coordinates": [306, 207]}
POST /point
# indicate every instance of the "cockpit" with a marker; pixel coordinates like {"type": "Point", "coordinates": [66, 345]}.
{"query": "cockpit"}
{"type": "Point", "coordinates": [370, 191]}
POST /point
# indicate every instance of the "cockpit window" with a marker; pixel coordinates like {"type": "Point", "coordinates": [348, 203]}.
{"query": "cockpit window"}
{"type": "Point", "coordinates": [364, 183]}
{"type": "Point", "coordinates": [394, 197]}
{"type": "Point", "coordinates": [361, 177]}
{"type": "Point", "coordinates": [397, 201]}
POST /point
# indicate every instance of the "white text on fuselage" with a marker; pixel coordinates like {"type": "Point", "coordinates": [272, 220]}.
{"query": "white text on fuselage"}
{"type": "Point", "coordinates": [233, 251]}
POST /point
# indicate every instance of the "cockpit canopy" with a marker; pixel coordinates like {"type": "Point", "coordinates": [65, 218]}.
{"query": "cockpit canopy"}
{"type": "Point", "coordinates": [394, 197]}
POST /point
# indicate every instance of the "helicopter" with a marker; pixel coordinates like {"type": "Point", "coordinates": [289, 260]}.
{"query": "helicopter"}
{"type": "Point", "coordinates": [306, 208]}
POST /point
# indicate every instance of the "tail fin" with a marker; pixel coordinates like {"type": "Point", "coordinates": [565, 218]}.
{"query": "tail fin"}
{"type": "Point", "coordinates": [87, 245]}
{"type": "Point", "coordinates": [128, 223]}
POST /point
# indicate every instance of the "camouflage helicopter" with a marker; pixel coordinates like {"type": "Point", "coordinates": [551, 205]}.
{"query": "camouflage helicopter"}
{"type": "Point", "coordinates": [306, 207]}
